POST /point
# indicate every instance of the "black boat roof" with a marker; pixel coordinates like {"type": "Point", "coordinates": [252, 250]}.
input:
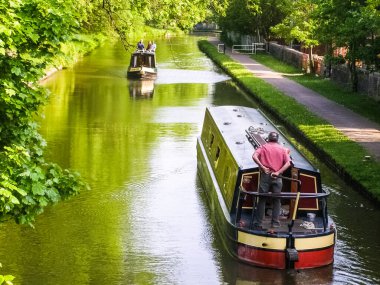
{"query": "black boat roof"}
{"type": "Point", "coordinates": [233, 121]}
{"type": "Point", "coordinates": [143, 52]}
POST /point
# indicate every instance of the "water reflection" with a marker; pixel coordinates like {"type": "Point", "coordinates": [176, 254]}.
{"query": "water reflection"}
{"type": "Point", "coordinates": [175, 76]}
{"type": "Point", "coordinates": [141, 88]}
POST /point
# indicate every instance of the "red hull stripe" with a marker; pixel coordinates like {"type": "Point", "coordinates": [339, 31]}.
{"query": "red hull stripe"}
{"type": "Point", "coordinates": [316, 258]}
{"type": "Point", "coordinates": [276, 259]}
{"type": "Point", "coordinates": [263, 258]}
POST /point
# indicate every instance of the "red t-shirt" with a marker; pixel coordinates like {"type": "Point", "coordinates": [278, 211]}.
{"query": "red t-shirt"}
{"type": "Point", "coordinates": [273, 155]}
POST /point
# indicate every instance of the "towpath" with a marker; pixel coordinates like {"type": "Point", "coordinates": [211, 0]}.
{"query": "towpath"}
{"type": "Point", "coordinates": [354, 126]}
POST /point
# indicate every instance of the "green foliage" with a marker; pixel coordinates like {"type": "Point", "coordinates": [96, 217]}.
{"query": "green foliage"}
{"type": "Point", "coordinates": [6, 279]}
{"type": "Point", "coordinates": [125, 17]}
{"type": "Point", "coordinates": [299, 24]}
{"type": "Point", "coordinates": [335, 60]}
{"type": "Point", "coordinates": [339, 150]}
{"type": "Point", "coordinates": [31, 34]}
{"type": "Point", "coordinates": [354, 25]}
{"type": "Point", "coordinates": [252, 17]}
{"type": "Point", "coordinates": [28, 184]}
{"type": "Point", "coordinates": [80, 45]}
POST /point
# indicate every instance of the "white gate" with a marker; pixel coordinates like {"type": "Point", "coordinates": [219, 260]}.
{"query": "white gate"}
{"type": "Point", "coordinates": [248, 49]}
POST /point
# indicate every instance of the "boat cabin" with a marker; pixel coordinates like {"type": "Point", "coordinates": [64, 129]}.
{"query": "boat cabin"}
{"type": "Point", "coordinates": [143, 58]}
{"type": "Point", "coordinates": [142, 65]}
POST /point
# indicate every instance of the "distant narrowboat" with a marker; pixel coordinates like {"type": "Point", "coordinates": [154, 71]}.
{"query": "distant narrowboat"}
{"type": "Point", "coordinates": [230, 177]}
{"type": "Point", "coordinates": [142, 65]}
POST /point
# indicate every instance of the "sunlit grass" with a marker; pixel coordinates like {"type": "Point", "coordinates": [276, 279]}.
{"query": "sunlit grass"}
{"type": "Point", "coordinates": [337, 148]}
{"type": "Point", "coordinates": [276, 64]}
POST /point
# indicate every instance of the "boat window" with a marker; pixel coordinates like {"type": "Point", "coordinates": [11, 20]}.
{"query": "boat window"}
{"type": "Point", "coordinates": [145, 60]}
{"type": "Point", "coordinates": [211, 141]}
{"type": "Point", "coordinates": [217, 154]}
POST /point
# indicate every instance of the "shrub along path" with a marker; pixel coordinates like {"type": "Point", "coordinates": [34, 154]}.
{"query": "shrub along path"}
{"type": "Point", "coordinates": [354, 126]}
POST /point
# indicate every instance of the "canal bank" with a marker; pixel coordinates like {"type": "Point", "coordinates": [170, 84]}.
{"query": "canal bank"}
{"type": "Point", "coordinates": [353, 162]}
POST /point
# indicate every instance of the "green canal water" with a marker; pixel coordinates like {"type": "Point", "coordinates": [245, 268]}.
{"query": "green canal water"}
{"type": "Point", "coordinates": [145, 219]}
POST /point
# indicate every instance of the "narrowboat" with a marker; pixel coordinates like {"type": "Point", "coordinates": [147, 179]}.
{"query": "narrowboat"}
{"type": "Point", "coordinates": [142, 65]}
{"type": "Point", "coordinates": [230, 178]}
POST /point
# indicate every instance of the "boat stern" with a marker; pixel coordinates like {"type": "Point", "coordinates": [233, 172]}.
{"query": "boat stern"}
{"type": "Point", "coordinates": [272, 250]}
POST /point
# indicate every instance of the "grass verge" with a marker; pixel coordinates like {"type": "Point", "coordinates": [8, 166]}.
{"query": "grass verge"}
{"type": "Point", "coordinates": [332, 146]}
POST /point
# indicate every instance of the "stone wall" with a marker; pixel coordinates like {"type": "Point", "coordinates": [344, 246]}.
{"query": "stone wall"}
{"type": "Point", "coordinates": [368, 82]}
{"type": "Point", "coordinates": [373, 85]}
{"type": "Point", "coordinates": [290, 56]}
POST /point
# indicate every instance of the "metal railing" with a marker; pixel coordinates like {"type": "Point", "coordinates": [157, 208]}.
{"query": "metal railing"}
{"type": "Point", "coordinates": [283, 195]}
{"type": "Point", "coordinates": [248, 49]}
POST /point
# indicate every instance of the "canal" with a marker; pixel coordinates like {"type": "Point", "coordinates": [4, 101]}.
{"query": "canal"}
{"type": "Point", "coordinates": [145, 219]}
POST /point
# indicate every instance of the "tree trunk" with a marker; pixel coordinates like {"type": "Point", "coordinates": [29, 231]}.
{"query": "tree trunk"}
{"type": "Point", "coordinates": [353, 75]}
{"type": "Point", "coordinates": [353, 70]}
{"type": "Point", "coordinates": [311, 60]}
{"type": "Point", "coordinates": [328, 65]}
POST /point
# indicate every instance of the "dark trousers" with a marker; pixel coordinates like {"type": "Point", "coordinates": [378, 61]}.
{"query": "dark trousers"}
{"type": "Point", "coordinates": [268, 183]}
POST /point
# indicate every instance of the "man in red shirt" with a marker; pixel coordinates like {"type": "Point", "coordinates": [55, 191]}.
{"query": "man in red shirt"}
{"type": "Point", "coordinates": [273, 160]}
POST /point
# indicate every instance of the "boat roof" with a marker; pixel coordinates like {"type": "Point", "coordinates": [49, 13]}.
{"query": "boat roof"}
{"type": "Point", "coordinates": [233, 121]}
{"type": "Point", "coordinates": [143, 52]}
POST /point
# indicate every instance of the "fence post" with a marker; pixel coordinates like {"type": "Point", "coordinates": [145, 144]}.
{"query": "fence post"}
{"type": "Point", "coordinates": [221, 46]}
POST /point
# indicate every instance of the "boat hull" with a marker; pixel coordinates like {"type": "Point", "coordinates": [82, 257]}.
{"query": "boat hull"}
{"type": "Point", "coordinates": [219, 216]}
{"type": "Point", "coordinates": [142, 73]}
{"type": "Point", "coordinates": [271, 252]}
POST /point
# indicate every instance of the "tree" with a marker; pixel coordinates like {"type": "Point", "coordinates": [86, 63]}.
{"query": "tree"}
{"type": "Point", "coordinates": [299, 24]}
{"type": "Point", "coordinates": [240, 16]}
{"type": "Point", "coordinates": [353, 25]}
{"type": "Point", "coordinates": [253, 17]}
{"type": "Point", "coordinates": [128, 16]}
{"type": "Point", "coordinates": [31, 33]}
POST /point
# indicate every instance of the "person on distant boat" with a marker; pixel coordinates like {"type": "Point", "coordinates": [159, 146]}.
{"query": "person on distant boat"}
{"type": "Point", "coordinates": [153, 47]}
{"type": "Point", "coordinates": [140, 45]}
{"type": "Point", "coordinates": [273, 159]}
{"type": "Point", "coordinates": [148, 48]}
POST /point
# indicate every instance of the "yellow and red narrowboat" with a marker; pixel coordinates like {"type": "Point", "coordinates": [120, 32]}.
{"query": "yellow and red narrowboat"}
{"type": "Point", "coordinates": [230, 178]}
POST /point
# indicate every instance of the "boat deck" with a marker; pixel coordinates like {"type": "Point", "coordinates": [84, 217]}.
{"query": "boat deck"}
{"type": "Point", "coordinates": [301, 226]}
